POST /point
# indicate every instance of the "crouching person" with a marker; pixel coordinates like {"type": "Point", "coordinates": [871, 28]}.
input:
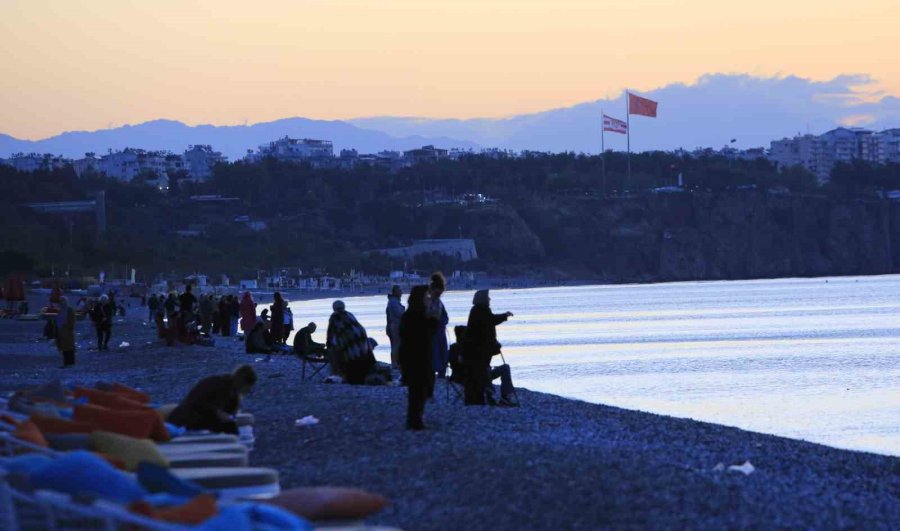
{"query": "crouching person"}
{"type": "Point", "coordinates": [211, 404]}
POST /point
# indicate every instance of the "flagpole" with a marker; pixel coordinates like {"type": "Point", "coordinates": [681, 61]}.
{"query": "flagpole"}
{"type": "Point", "coordinates": [602, 153]}
{"type": "Point", "coordinates": [628, 129]}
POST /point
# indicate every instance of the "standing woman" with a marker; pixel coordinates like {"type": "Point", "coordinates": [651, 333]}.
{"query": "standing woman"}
{"type": "Point", "coordinates": [278, 318]}
{"type": "Point", "coordinates": [416, 340]}
{"type": "Point", "coordinates": [394, 313]}
{"type": "Point", "coordinates": [248, 313]}
{"type": "Point", "coordinates": [65, 332]}
{"type": "Point", "coordinates": [440, 353]}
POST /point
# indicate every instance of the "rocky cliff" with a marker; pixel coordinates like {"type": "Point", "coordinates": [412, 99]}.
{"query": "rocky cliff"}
{"type": "Point", "coordinates": [713, 236]}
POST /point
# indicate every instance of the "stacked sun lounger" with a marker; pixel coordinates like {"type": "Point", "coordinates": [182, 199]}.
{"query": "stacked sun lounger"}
{"type": "Point", "coordinates": [67, 462]}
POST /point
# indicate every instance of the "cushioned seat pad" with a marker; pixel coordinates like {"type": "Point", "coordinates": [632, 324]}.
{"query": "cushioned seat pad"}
{"type": "Point", "coordinates": [193, 448]}
{"type": "Point", "coordinates": [206, 459]}
{"type": "Point", "coordinates": [228, 478]}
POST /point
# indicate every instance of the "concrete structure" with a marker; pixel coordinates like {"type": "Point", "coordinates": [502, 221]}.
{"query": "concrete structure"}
{"type": "Point", "coordinates": [819, 154]}
{"type": "Point", "coordinates": [424, 154]}
{"type": "Point", "coordinates": [295, 150]}
{"type": "Point", "coordinates": [200, 159]}
{"type": "Point", "coordinates": [461, 249]}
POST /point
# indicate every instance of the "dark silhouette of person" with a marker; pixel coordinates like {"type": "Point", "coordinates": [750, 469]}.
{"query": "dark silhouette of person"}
{"type": "Point", "coordinates": [277, 313]}
{"type": "Point", "coordinates": [480, 346]}
{"type": "Point", "coordinates": [417, 330]}
{"type": "Point", "coordinates": [304, 345]}
{"type": "Point", "coordinates": [213, 401]}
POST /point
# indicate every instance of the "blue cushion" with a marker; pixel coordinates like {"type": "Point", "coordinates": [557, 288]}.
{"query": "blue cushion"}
{"type": "Point", "coordinates": [85, 473]}
{"type": "Point", "coordinates": [253, 516]}
{"type": "Point", "coordinates": [156, 478]}
{"type": "Point", "coordinates": [25, 464]}
{"type": "Point", "coordinates": [175, 431]}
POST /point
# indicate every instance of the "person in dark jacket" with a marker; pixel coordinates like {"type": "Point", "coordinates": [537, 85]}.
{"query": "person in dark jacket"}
{"type": "Point", "coordinates": [65, 332]}
{"type": "Point", "coordinates": [439, 350]}
{"type": "Point", "coordinates": [258, 340]}
{"type": "Point", "coordinates": [171, 306]}
{"type": "Point", "coordinates": [102, 315]}
{"type": "Point", "coordinates": [480, 346]}
{"type": "Point", "coordinates": [187, 303]}
{"type": "Point", "coordinates": [416, 341]}
{"type": "Point", "coordinates": [304, 344]}
{"type": "Point", "coordinates": [277, 312]}
{"type": "Point", "coordinates": [211, 404]}
{"type": "Point", "coordinates": [152, 304]}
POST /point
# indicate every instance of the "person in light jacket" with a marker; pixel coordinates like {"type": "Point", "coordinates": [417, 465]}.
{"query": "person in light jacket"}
{"type": "Point", "coordinates": [394, 312]}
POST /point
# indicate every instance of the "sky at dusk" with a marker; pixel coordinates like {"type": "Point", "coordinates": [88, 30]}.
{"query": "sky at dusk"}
{"type": "Point", "coordinates": [84, 65]}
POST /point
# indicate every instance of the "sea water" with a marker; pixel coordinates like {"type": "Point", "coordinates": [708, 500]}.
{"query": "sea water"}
{"type": "Point", "coordinates": [813, 359]}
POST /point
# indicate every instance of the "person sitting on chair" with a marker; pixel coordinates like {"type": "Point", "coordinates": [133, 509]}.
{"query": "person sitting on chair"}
{"type": "Point", "coordinates": [480, 346]}
{"type": "Point", "coordinates": [256, 342]}
{"type": "Point", "coordinates": [213, 401]}
{"type": "Point", "coordinates": [304, 344]}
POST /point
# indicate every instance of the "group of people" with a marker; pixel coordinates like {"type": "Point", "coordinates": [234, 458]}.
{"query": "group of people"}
{"type": "Point", "coordinates": [419, 348]}
{"type": "Point", "coordinates": [267, 332]}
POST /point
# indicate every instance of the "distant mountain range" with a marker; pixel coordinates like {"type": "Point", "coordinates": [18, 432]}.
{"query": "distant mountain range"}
{"type": "Point", "coordinates": [231, 140]}
{"type": "Point", "coordinates": [709, 113]}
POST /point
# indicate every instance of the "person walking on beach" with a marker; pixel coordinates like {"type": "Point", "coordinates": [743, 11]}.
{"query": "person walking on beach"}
{"type": "Point", "coordinates": [102, 315]}
{"type": "Point", "coordinates": [248, 312]}
{"type": "Point", "coordinates": [152, 304]}
{"type": "Point", "coordinates": [436, 310]}
{"type": "Point", "coordinates": [394, 312]}
{"type": "Point", "coordinates": [417, 330]}
{"type": "Point", "coordinates": [277, 311]}
{"type": "Point", "coordinates": [480, 346]}
{"type": "Point", "coordinates": [65, 332]}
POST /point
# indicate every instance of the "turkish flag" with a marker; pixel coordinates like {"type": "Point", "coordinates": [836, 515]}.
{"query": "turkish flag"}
{"type": "Point", "coordinates": [641, 106]}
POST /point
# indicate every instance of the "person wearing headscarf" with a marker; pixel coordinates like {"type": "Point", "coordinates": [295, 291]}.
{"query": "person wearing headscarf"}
{"type": "Point", "coordinates": [436, 310]}
{"type": "Point", "coordinates": [394, 313]}
{"type": "Point", "coordinates": [480, 346]}
{"type": "Point", "coordinates": [248, 312]}
{"type": "Point", "coordinates": [346, 339]}
{"type": "Point", "coordinates": [417, 330]}
{"type": "Point", "coordinates": [102, 314]}
{"type": "Point", "coordinates": [65, 332]}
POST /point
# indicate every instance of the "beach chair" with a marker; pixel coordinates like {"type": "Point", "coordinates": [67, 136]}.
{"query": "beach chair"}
{"type": "Point", "coordinates": [317, 363]}
{"type": "Point", "coordinates": [454, 383]}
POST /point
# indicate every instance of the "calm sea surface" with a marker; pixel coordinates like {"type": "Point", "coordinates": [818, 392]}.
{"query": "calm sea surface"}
{"type": "Point", "coordinates": [813, 359]}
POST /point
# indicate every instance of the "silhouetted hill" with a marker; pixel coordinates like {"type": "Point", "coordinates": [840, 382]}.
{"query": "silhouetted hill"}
{"type": "Point", "coordinates": [232, 140]}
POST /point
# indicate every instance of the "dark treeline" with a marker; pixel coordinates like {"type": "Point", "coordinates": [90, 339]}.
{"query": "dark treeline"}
{"type": "Point", "coordinates": [325, 218]}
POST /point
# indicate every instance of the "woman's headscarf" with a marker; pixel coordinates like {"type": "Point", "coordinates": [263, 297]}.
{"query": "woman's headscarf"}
{"type": "Point", "coordinates": [482, 297]}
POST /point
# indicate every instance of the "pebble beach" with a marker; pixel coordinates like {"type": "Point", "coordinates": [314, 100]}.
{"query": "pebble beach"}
{"type": "Point", "coordinates": [552, 463]}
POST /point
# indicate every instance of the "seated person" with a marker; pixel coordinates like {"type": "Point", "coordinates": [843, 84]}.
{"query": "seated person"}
{"type": "Point", "coordinates": [359, 368]}
{"type": "Point", "coordinates": [213, 401]}
{"type": "Point", "coordinates": [462, 373]}
{"type": "Point", "coordinates": [256, 341]}
{"type": "Point", "coordinates": [304, 344]}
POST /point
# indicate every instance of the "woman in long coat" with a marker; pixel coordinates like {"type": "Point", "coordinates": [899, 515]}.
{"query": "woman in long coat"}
{"type": "Point", "coordinates": [248, 313]}
{"type": "Point", "coordinates": [65, 332]}
{"type": "Point", "coordinates": [417, 330]}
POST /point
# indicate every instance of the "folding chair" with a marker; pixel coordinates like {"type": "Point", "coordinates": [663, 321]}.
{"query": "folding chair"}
{"type": "Point", "coordinates": [317, 363]}
{"type": "Point", "coordinates": [454, 382]}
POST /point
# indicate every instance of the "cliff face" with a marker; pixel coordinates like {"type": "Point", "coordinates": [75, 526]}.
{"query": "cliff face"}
{"type": "Point", "coordinates": [723, 236]}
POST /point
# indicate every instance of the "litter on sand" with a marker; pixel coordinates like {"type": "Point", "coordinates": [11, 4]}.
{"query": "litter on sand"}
{"type": "Point", "coordinates": [308, 420]}
{"type": "Point", "coordinates": [745, 469]}
{"type": "Point", "coordinates": [124, 344]}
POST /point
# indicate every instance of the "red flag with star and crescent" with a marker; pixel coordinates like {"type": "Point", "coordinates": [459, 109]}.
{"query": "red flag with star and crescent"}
{"type": "Point", "coordinates": [641, 106]}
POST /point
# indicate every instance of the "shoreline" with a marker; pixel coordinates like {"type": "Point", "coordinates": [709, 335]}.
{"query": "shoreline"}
{"type": "Point", "coordinates": [495, 468]}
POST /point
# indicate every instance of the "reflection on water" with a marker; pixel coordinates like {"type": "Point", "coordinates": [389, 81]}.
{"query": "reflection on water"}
{"type": "Point", "coordinates": [813, 359]}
